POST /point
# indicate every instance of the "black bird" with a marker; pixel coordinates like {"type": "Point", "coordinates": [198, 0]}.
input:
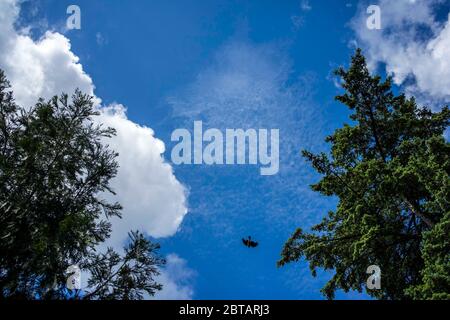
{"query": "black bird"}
{"type": "Point", "coordinates": [249, 242]}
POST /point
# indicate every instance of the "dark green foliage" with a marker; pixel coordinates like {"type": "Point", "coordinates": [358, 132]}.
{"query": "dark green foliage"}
{"type": "Point", "coordinates": [126, 278]}
{"type": "Point", "coordinates": [390, 171]}
{"type": "Point", "coordinates": [54, 168]}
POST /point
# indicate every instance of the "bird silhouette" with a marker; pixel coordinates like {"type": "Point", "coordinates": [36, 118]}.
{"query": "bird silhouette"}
{"type": "Point", "coordinates": [249, 242]}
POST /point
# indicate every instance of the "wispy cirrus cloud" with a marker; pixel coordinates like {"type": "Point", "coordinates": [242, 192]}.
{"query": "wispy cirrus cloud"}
{"type": "Point", "coordinates": [177, 278]}
{"type": "Point", "coordinates": [246, 86]}
{"type": "Point", "coordinates": [298, 20]}
{"type": "Point", "coordinates": [305, 5]}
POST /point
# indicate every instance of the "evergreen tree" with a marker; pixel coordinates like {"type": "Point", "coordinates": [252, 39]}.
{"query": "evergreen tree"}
{"type": "Point", "coordinates": [389, 169]}
{"type": "Point", "coordinates": [54, 168]}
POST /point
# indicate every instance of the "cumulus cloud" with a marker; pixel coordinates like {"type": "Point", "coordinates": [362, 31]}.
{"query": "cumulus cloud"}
{"type": "Point", "coordinates": [413, 44]}
{"type": "Point", "coordinates": [38, 69]}
{"type": "Point", "coordinates": [154, 200]}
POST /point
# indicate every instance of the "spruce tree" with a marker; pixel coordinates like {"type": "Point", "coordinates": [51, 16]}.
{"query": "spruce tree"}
{"type": "Point", "coordinates": [389, 169]}
{"type": "Point", "coordinates": [55, 169]}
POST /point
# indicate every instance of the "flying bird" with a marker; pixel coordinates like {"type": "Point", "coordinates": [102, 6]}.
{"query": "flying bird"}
{"type": "Point", "coordinates": [249, 242]}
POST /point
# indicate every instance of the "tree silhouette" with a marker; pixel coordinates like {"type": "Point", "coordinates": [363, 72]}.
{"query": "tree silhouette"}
{"type": "Point", "coordinates": [54, 169]}
{"type": "Point", "coordinates": [389, 168]}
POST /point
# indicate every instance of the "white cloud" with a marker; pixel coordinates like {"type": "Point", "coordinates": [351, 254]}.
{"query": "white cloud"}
{"type": "Point", "coordinates": [298, 20]}
{"type": "Point", "coordinates": [101, 39]}
{"type": "Point", "coordinates": [38, 69]}
{"type": "Point", "coordinates": [244, 81]}
{"type": "Point", "coordinates": [249, 85]}
{"type": "Point", "coordinates": [413, 44]}
{"type": "Point", "coordinates": [305, 6]}
{"type": "Point", "coordinates": [153, 200]}
{"type": "Point", "coordinates": [176, 277]}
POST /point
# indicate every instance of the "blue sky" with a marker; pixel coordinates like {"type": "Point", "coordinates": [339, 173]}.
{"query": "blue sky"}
{"type": "Point", "coordinates": [173, 62]}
